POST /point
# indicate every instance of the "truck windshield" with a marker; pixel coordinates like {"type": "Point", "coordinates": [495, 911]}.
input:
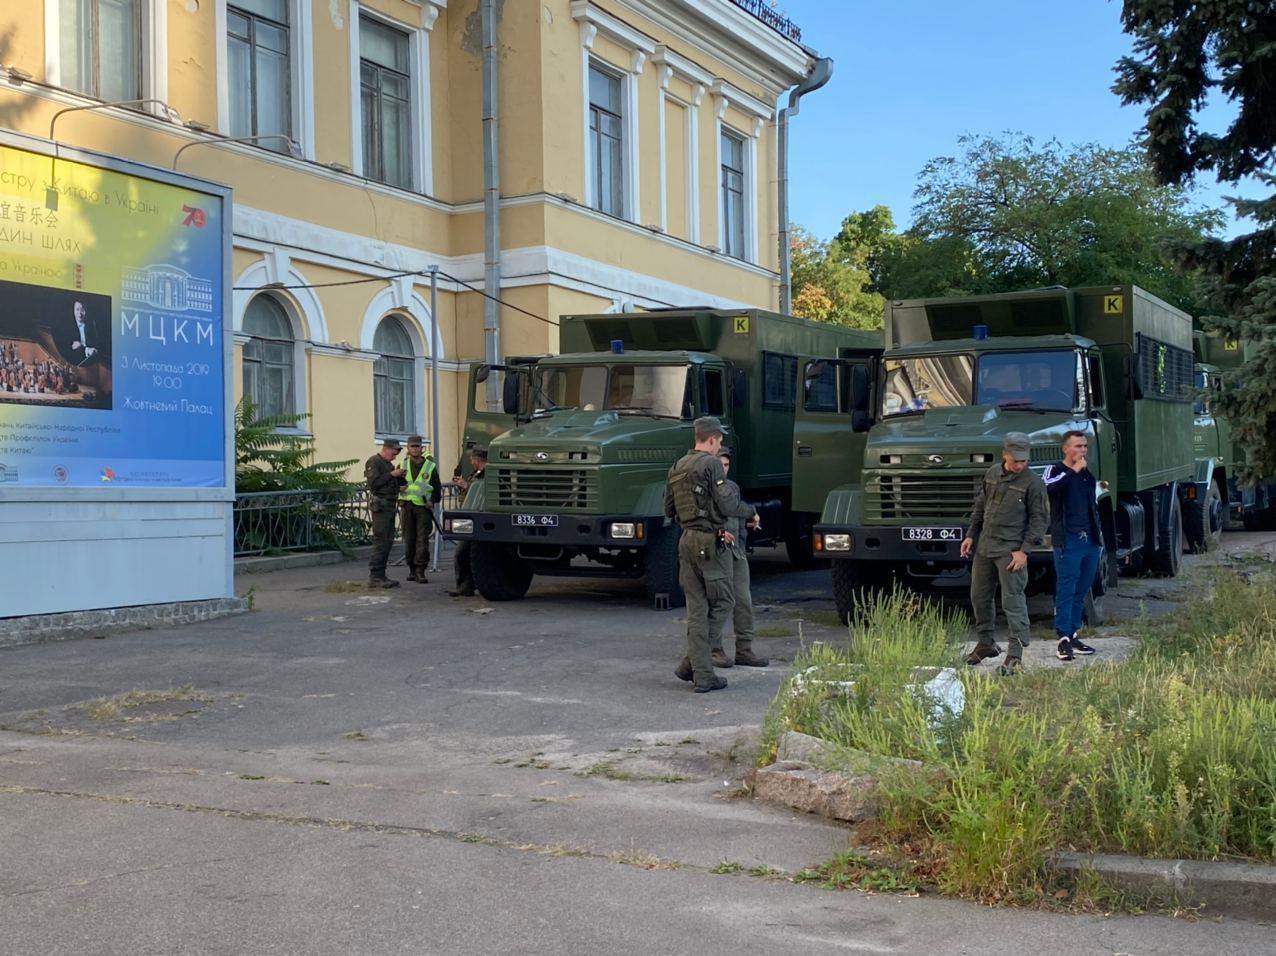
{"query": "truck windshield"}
{"type": "Point", "coordinates": [1042, 381]}
{"type": "Point", "coordinates": [928, 381]}
{"type": "Point", "coordinates": [659, 390]}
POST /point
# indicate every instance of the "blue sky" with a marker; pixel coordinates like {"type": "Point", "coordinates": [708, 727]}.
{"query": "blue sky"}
{"type": "Point", "coordinates": [911, 76]}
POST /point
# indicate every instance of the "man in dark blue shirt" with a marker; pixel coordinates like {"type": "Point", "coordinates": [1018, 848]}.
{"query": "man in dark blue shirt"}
{"type": "Point", "coordinates": [1077, 539]}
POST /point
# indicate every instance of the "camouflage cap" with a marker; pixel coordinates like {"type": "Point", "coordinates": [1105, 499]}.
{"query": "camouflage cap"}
{"type": "Point", "coordinates": [707, 427]}
{"type": "Point", "coordinates": [392, 443]}
{"type": "Point", "coordinates": [415, 441]}
{"type": "Point", "coordinates": [1017, 445]}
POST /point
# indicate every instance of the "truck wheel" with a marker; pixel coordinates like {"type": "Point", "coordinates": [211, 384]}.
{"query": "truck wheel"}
{"type": "Point", "coordinates": [499, 574]}
{"type": "Point", "coordinates": [1168, 558]}
{"type": "Point", "coordinates": [1095, 612]}
{"type": "Point", "coordinates": [662, 566]}
{"type": "Point", "coordinates": [1203, 521]}
{"type": "Point", "coordinates": [852, 580]}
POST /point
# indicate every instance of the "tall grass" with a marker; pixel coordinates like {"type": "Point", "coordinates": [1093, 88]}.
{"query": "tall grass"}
{"type": "Point", "coordinates": [1171, 753]}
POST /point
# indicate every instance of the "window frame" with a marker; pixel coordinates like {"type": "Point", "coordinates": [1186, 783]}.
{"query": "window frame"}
{"type": "Point", "coordinates": [145, 14]}
{"type": "Point", "coordinates": [409, 132]}
{"type": "Point", "coordinates": [789, 402]}
{"type": "Point", "coordinates": [381, 377]}
{"type": "Point", "coordinates": [623, 120]}
{"type": "Point", "coordinates": [290, 405]}
{"type": "Point", "coordinates": [290, 104]}
{"type": "Point", "coordinates": [729, 247]}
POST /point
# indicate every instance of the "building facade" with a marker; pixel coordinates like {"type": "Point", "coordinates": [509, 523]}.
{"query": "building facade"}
{"type": "Point", "coordinates": [637, 168]}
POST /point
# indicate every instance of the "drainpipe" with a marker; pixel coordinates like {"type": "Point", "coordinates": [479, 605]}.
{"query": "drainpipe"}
{"type": "Point", "coordinates": [819, 75]}
{"type": "Point", "coordinates": [491, 201]}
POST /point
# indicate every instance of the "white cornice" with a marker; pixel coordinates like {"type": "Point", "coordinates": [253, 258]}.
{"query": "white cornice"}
{"type": "Point", "coordinates": [741, 100]}
{"type": "Point", "coordinates": [681, 66]}
{"type": "Point", "coordinates": [584, 12]}
{"type": "Point", "coordinates": [724, 31]}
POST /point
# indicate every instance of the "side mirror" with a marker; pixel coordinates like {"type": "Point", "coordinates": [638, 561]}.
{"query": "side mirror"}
{"type": "Point", "coordinates": [861, 421]}
{"type": "Point", "coordinates": [481, 373]}
{"type": "Point", "coordinates": [511, 392]}
{"type": "Point", "coordinates": [859, 389]}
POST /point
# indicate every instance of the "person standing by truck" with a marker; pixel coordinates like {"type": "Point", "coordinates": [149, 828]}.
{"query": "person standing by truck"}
{"type": "Point", "coordinates": [461, 560]}
{"type": "Point", "coordinates": [384, 481]}
{"type": "Point", "coordinates": [1077, 539]}
{"type": "Point", "coordinates": [1009, 517]}
{"type": "Point", "coordinates": [699, 496]}
{"type": "Point", "coordinates": [741, 606]}
{"type": "Point", "coordinates": [421, 491]}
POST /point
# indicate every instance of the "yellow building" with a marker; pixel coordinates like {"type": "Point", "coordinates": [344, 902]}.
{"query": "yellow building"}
{"type": "Point", "coordinates": [637, 146]}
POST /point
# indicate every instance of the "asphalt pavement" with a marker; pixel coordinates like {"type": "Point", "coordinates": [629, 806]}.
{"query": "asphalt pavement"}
{"type": "Point", "coordinates": [344, 770]}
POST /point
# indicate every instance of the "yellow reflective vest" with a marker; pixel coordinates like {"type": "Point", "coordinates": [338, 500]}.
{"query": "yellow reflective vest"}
{"type": "Point", "coordinates": [417, 489]}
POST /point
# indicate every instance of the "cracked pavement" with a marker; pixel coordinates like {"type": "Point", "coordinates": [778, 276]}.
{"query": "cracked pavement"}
{"type": "Point", "coordinates": [342, 771]}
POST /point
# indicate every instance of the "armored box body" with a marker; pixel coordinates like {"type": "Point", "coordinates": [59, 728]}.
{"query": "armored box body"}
{"type": "Point", "coordinates": [762, 350]}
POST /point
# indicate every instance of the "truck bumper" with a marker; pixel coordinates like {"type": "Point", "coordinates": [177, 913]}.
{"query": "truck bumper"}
{"type": "Point", "coordinates": [886, 543]}
{"type": "Point", "coordinates": [572, 531]}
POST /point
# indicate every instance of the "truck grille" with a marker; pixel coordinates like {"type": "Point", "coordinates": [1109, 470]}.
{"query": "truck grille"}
{"type": "Point", "coordinates": [923, 497]}
{"type": "Point", "coordinates": [553, 489]}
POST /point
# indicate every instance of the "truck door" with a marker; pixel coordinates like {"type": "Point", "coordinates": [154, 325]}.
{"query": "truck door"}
{"type": "Point", "coordinates": [835, 407]}
{"type": "Point", "coordinates": [482, 422]}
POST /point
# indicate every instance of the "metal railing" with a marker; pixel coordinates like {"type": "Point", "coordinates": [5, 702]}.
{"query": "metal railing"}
{"type": "Point", "coordinates": [764, 11]}
{"type": "Point", "coordinates": [274, 521]}
{"type": "Point", "coordinates": [269, 521]}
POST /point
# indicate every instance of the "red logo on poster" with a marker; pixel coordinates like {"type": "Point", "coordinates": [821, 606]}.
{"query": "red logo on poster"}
{"type": "Point", "coordinates": [194, 217]}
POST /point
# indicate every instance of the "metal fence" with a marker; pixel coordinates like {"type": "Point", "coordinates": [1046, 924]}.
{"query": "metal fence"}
{"type": "Point", "coordinates": [272, 521]}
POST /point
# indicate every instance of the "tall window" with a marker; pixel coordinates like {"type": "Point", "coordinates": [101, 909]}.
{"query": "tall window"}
{"type": "Point", "coordinates": [268, 357]}
{"type": "Point", "coordinates": [606, 141]}
{"type": "Point", "coordinates": [394, 379]}
{"type": "Point", "coordinates": [386, 103]}
{"type": "Point", "coordinates": [733, 194]}
{"type": "Point", "coordinates": [101, 47]}
{"type": "Point", "coordinates": [260, 95]}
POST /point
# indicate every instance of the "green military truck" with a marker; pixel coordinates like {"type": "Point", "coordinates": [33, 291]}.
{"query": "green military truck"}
{"type": "Point", "coordinates": [580, 443]}
{"type": "Point", "coordinates": [1219, 458]}
{"type": "Point", "coordinates": [894, 444]}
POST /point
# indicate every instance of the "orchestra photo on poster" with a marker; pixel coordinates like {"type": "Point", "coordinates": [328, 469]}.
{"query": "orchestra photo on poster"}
{"type": "Point", "coordinates": [55, 347]}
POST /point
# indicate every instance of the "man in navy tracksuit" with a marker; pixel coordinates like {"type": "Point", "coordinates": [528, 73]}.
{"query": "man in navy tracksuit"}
{"type": "Point", "coordinates": [1077, 539]}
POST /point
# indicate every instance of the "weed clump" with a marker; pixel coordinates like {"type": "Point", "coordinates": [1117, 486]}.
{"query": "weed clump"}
{"type": "Point", "coordinates": [1171, 753]}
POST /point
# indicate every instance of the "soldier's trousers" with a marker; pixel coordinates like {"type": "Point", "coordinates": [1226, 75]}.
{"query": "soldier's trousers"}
{"type": "Point", "coordinates": [985, 574]}
{"type": "Point", "coordinates": [461, 564]}
{"type": "Point", "coordinates": [705, 577]}
{"type": "Point", "coordinates": [740, 609]}
{"type": "Point", "coordinates": [382, 538]}
{"type": "Point", "coordinates": [415, 524]}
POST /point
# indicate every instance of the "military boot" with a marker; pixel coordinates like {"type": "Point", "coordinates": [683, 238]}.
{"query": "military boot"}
{"type": "Point", "coordinates": [420, 577]}
{"type": "Point", "coordinates": [713, 683]}
{"type": "Point", "coordinates": [382, 583]}
{"type": "Point", "coordinates": [745, 657]}
{"type": "Point", "coordinates": [412, 576]}
{"type": "Point", "coordinates": [683, 671]}
{"type": "Point", "coordinates": [720, 658]}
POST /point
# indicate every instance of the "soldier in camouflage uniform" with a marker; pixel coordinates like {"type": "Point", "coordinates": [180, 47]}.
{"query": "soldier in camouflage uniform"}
{"type": "Point", "coordinates": [699, 496]}
{"type": "Point", "coordinates": [1009, 518]}
{"type": "Point", "coordinates": [741, 609]}
{"type": "Point", "coordinates": [384, 481]}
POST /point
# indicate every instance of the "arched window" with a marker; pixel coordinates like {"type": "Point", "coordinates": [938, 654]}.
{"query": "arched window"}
{"type": "Point", "coordinates": [268, 357]}
{"type": "Point", "coordinates": [394, 378]}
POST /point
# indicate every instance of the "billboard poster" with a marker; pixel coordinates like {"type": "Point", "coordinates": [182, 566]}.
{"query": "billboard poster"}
{"type": "Point", "coordinates": [111, 336]}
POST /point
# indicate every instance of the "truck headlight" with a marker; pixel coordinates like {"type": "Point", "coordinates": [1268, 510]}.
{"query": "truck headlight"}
{"type": "Point", "coordinates": [837, 542]}
{"type": "Point", "coordinates": [622, 529]}
{"type": "Point", "coordinates": [460, 525]}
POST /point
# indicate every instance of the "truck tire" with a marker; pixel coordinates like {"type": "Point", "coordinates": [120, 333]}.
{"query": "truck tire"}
{"type": "Point", "coordinates": [851, 581]}
{"type": "Point", "coordinates": [1203, 521]}
{"type": "Point", "coordinates": [662, 566]}
{"type": "Point", "coordinates": [1167, 559]}
{"type": "Point", "coordinates": [499, 573]}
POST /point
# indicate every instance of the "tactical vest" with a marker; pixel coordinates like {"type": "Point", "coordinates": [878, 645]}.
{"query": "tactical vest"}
{"type": "Point", "coordinates": [417, 488]}
{"type": "Point", "coordinates": [691, 497]}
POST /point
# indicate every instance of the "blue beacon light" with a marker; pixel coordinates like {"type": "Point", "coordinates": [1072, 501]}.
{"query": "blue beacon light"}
{"type": "Point", "coordinates": [618, 346]}
{"type": "Point", "coordinates": [981, 333]}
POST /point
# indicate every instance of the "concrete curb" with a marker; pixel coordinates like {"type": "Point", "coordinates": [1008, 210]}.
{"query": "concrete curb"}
{"type": "Point", "coordinates": [303, 559]}
{"type": "Point", "coordinates": [1244, 890]}
{"type": "Point", "coordinates": [42, 628]}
